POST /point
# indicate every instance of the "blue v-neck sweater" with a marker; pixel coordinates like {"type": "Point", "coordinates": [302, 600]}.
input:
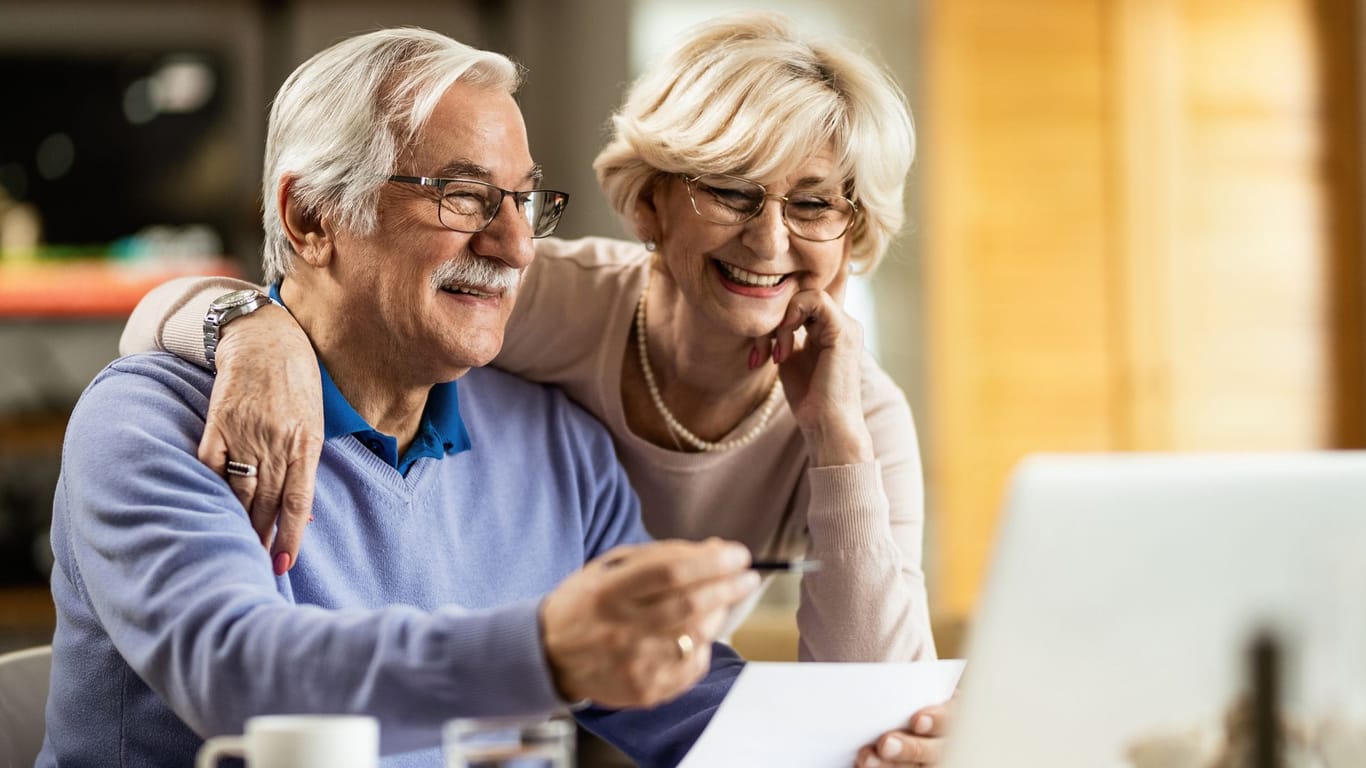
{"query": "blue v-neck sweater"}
{"type": "Point", "coordinates": [414, 599]}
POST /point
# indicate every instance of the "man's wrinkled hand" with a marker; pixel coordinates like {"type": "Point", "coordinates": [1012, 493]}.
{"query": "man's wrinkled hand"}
{"type": "Point", "coordinates": [266, 411]}
{"type": "Point", "coordinates": [634, 628]}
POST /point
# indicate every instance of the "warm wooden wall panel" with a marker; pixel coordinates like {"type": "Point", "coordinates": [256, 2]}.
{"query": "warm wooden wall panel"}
{"type": "Point", "coordinates": [1128, 242]}
{"type": "Point", "coordinates": [1016, 296]}
{"type": "Point", "coordinates": [1340, 28]}
{"type": "Point", "coordinates": [1247, 302]}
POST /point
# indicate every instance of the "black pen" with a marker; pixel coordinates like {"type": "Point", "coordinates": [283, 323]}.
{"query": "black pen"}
{"type": "Point", "coordinates": [786, 566]}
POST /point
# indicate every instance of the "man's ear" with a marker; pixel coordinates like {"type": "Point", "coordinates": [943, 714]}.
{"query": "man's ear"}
{"type": "Point", "coordinates": [307, 234]}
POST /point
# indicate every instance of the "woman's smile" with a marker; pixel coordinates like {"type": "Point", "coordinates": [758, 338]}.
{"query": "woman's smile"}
{"type": "Point", "coordinates": [746, 283]}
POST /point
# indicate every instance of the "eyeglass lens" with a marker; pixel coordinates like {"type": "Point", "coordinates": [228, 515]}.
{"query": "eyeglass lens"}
{"type": "Point", "coordinates": [732, 200]}
{"type": "Point", "coordinates": [469, 206]}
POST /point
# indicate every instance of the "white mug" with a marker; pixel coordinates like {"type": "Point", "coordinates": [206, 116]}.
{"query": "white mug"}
{"type": "Point", "coordinates": [299, 741]}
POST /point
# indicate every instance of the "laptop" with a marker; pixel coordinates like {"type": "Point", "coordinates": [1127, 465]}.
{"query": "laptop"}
{"type": "Point", "coordinates": [1125, 590]}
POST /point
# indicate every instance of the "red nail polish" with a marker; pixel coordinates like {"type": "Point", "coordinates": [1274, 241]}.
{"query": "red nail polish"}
{"type": "Point", "coordinates": [753, 358]}
{"type": "Point", "coordinates": [310, 518]}
{"type": "Point", "coordinates": [281, 563]}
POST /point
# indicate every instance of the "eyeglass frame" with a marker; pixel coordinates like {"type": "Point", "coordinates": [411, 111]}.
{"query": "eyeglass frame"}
{"type": "Point", "coordinates": [518, 199]}
{"type": "Point", "coordinates": [689, 181]}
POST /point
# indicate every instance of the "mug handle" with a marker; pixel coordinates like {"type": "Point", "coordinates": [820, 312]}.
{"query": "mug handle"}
{"type": "Point", "coordinates": [219, 747]}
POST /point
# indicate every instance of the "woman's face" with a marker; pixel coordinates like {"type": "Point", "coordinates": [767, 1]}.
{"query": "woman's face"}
{"type": "Point", "coordinates": [739, 278]}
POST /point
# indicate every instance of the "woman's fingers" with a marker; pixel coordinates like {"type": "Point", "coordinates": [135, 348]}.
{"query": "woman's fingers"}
{"type": "Point", "coordinates": [760, 352]}
{"type": "Point", "coordinates": [252, 470]}
{"type": "Point", "coordinates": [921, 742]}
{"type": "Point", "coordinates": [816, 311]}
{"type": "Point", "coordinates": [293, 507]}
{"type": "Point", "coordinates": [264, 427]}
{"type": "Point", "coordinates": [799, 312]}
{"type": "Point", "coordinates": [808, 309]}
{"type": "Point", "coordinates": [898, 748]}
{"type": "Point", "coordinates": [933, 720]}
{"type": "Point", "coordinates": [213, 453]}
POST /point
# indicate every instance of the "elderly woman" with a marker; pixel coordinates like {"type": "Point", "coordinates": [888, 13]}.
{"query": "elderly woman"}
{"type": "Point", "coordinates": [759, 170]}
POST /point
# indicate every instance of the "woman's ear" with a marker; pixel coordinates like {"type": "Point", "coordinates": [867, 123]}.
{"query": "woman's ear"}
{"type": "Point", "coordinates": [645, 217]}
{"type": "Point", "coordinates": [305, 229]}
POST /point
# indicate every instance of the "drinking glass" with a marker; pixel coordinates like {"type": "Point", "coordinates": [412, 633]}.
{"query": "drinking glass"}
{"type": "Point", "coordinates": [509, 742]}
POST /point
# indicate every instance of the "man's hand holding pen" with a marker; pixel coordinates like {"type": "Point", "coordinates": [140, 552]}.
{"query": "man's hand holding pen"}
{"type": "Point", "coordinates": [634, 627]}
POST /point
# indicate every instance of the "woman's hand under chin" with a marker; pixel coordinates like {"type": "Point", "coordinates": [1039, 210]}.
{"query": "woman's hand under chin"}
{"type": "Point", "coordinates": [822, 377]}
{"type": "Point", "coordinates": [266, 410]}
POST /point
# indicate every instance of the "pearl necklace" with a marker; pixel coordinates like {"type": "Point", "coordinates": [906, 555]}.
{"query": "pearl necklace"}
{"type": "Point", "coordinates": [675, 428]}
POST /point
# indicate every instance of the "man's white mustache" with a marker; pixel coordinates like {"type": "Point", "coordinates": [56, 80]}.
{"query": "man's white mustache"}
{"type": "Point", "coordinates": [483, 275]}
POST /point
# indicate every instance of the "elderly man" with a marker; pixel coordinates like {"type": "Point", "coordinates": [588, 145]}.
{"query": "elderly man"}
{"type": "Point", "coordinates": [445, 573]}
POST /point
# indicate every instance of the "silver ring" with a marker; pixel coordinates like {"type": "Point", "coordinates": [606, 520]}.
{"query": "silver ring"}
{"type": "Point", "coordinates": [685, 645]}
{"type": "Point", "coordinates": [240, 469]}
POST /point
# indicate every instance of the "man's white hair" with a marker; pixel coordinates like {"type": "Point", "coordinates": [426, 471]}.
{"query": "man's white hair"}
{"type": "Point", "coordinates": [340, 121]}
{"type": "Point", "coordinates": [747, 95]}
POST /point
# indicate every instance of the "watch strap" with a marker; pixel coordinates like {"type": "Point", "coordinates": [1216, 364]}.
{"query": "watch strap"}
{"type": "Point", "coordinates": [219, 316]}
{"type": "Point", "coordinates": [180, 329]}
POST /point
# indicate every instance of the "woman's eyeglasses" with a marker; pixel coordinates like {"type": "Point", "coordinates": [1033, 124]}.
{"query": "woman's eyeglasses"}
{"type": "Point", "coordinates": [724, 199]}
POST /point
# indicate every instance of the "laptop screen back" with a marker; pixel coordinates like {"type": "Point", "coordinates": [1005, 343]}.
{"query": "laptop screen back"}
{"type": "Point", "coordinates": [1125, 590]}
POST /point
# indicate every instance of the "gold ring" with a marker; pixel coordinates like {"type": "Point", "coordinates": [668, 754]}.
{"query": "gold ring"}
{"type": "Point", "coordinates": [685, 645]}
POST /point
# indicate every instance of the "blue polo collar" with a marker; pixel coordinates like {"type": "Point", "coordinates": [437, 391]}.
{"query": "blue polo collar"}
{"type": "Point", "coordinates": [440, 433]}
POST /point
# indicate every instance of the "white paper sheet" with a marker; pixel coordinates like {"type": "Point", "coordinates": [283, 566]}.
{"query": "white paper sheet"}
{"type": "Point", "coordinates": [816, 715]}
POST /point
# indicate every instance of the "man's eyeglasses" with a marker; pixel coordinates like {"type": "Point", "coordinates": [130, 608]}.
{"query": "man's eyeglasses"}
{"type": "Point", "coordinates": [723, 199]}
{"type": "Point", "coordinates": [466, 205]}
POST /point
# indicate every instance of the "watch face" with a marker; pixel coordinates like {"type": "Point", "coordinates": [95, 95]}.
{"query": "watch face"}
{"type": "Point", "coordinates": [235, 299]}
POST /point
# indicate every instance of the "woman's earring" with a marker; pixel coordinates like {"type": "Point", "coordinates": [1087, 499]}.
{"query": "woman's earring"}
{"type": "Point", "coordinates": [650, 246]}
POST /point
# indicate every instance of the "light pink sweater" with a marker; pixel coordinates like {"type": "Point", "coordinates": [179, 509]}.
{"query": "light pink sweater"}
{"type": "Point", "coordinates": [571, 327]}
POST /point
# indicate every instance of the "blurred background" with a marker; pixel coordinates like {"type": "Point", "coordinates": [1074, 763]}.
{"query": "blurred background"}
{"type": "Point", "coordinates": [1133, 224]}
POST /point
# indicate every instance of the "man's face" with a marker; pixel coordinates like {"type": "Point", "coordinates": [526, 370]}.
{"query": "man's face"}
{"type": "Point", "coordinates": [435, 299]}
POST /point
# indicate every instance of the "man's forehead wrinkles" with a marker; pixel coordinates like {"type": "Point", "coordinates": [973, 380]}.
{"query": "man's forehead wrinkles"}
{"type": "Point", "coordinates": [468, 169]}
{"type": "Point", "coordinates": [465, 168]}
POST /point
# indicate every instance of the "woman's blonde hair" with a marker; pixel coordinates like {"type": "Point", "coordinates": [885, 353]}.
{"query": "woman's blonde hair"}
{"type": "Point", "coordinates": [343, 117]}
{"type": "Point", "coordinates": [746, 95]}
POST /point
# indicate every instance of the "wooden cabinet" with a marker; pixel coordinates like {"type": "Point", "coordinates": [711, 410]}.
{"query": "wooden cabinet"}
{"type": "Point", "coordinates": [27, 617]}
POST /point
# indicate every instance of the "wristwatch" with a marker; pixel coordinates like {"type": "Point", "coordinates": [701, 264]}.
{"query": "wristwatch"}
{"type": "Point", "coordinates": [224, 310]}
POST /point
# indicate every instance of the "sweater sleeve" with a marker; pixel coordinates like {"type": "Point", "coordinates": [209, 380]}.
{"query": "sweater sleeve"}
{"type": "Point", "coordinates": [866, 521]}
{"type": "Point", "coordinates": [660, 737]}
{"type": "Point", "coordinates": [170, 317]}
{"type": "Point", "coordinates": [160, 552]}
